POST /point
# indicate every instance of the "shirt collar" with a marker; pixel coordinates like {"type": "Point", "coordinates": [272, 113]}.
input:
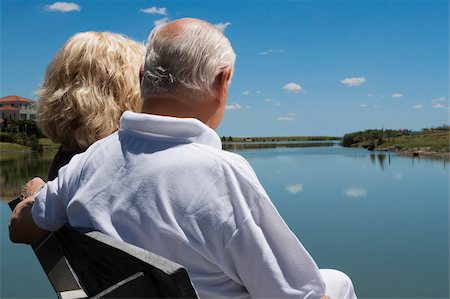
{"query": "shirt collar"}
{"type": "Point", "coordinates": [189, 129]}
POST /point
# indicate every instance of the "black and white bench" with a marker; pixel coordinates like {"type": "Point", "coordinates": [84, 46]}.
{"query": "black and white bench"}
{"type": "Point", "coordinates": [90, 264]}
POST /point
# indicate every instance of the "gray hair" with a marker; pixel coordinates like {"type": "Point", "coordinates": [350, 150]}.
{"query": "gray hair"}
{"type": "Point", "coordinates": [185, 64]}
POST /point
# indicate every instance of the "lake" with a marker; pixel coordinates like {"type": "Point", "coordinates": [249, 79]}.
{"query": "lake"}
{"type": "Point", "coordinates": [380, 217]}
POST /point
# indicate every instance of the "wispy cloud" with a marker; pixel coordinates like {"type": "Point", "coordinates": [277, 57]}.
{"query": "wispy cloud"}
{"type": "Point", "coordinates": [371, 95]}
{"type": "Point", "coordinates": [63, 7]}
{"type": "Point", "coordinates": [438, 106]}
{"type": "Point", "coordinates": [294, 188]}
{"type": "Point", "coordinates": [292, 87]}
{"type": "Point", "coordinates": [438, 103]}
{"type": "Point", "coordinates": [258, 92]}
{"type": "Point", "coordinates": [246, 93]}
{"type": "Point", "coordinates": [355, 192]}
{"type": "Point", "coordinates": [397, 95]}
{"type": "Point", "coordinates": [273, 102]}
{"type": "Point", "coordinates": [354, 81]}
{"type": "Point", "coordinates": [288, 117]}
{"type": "Point", "coordinates": [234, 106]}
{"type": "Point", "coordinates": [222, 26]}
{"type": "Point", "coordinates": [155, 10]}
{"type": "Point", "coordinates": [363, 105]}
{"type": "Point", "coordinates": [441, 99]}
{"type": "Point", "coordinates": [271, 51]}
{"type": "Point", "coordinates": [161, 21]}
{"type": "Point", "coordinates": [417, 106]}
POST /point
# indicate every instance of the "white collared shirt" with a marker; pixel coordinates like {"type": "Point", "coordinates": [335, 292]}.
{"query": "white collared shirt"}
{"type": "Point", "coordinates": [165, 184]}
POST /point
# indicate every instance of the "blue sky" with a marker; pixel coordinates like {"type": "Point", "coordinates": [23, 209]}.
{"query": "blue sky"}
{"type": "Point", "coordinates": [303, 67]}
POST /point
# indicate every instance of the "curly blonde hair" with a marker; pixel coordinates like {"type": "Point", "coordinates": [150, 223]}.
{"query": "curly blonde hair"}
{"type": "Point", "coordinates": [91, 81]}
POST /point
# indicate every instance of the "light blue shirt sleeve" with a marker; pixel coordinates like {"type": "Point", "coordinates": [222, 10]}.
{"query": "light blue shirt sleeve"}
{"type": "Point", "coordinates": [50, 207]}
{"type": "Point", "coordinates": [49, 212]}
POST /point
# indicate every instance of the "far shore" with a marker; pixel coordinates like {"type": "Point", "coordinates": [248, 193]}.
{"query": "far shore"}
{"type": "Point", "coordinates": [233, 143]}
{"type": "Point", "coordinates": [419, 152]}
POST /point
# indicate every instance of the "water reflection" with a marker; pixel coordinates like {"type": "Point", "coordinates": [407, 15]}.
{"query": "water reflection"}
{"type": "Point", "coordinates": [381, 158]}
{"type": "Point", "coordinates": [384, 160]}
{"type": "Point", "coordinates": [17, 168]}
{"type": "Point", "coordinates": [370, 214]}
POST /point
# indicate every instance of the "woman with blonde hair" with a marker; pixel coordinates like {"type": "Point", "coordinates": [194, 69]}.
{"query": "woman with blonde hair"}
{"type": "Point", "coordinates": [91, 81]}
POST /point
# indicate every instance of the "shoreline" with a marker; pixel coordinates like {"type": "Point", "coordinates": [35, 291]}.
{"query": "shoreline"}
{"type": "Point", "coordinates": [425, 154]}
{"type": "Point", "coordinates": [413, 152]}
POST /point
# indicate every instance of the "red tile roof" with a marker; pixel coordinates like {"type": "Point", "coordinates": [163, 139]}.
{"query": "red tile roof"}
{"type": "Point", "coordinates": [15, 99]}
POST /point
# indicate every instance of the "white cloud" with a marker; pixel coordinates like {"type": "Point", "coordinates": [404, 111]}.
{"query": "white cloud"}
{"type": "Point", "coordinates": [234, 106]}
{"type": "Point", "coordinates": [294, 189]}
{"type": "Point", "coordinates": [155, 10]}
{"type": "Point", "coordinates": [222, 26]}
{"type": "Point", "coordinates": [292, 114]}
{"type": "Point", "coordinates": [274, 102]}
{"type": "Point", "coordinates": [258, 92]}
{"type": "Point", "coordinates": [371, 95]}
{"type": "Point", "coordinates": [418, 106]}
{"type": "Point", "coordinates": [270, 51]}
{"type": "Point", "coordinates": [441, 99]}
{"type": "Point", "coordinates": [397, 95]}
{"type": "Point", "coordinates": [354, 81]}
{"type": "Point", "coordinates": [375, 106]}
{"type": "Point", "coordinates": [286, 118]}
{"type": "Point", "coordinates": [363, 105]}
{"type": "Point", "coordinates": [63, 7]}
{"type": "Point", "coordinates": [438, 106]}
{"type": "Point", "coordinates": [437, 102]}
{"type": "Point", "coordinates": [292, 87]}
{"type": "Point", "coordinates": [161, 22]}
{"type": "Point", "coordinates": [246, 93]}
{"type": "Point", "coordinates": [355, 192]}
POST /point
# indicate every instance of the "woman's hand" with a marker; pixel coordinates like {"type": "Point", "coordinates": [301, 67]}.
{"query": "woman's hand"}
{"type": "Point", "coordinates": [31, 187]}
{"type": "Point", "coordinates": [22, 228]}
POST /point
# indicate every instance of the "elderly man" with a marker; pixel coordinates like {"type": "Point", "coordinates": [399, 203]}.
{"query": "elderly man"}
{"type": "Point", "coordinates": [162, 182]}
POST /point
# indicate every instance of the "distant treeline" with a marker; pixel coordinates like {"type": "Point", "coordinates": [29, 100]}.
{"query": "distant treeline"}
{"type": "Point", "coordinates": [278, 138]}
{"type": "Point", "coordinates": [24, 132]}
{"type": "Point", "coordinates": [375, 138]}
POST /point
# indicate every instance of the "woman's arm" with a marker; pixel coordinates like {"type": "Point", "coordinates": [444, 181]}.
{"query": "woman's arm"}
{"type": "Point", "coordinates": [22, 228]}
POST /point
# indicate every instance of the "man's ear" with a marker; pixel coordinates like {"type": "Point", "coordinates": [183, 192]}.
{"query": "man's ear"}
{"type": "Point", "coordinates": [141, 73]}
{"type": "Point", "coordinates": [221, 84]}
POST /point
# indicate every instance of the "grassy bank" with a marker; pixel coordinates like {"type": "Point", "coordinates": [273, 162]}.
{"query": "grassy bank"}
{"type": "Point", "coordinates": [46, 143]}
{"type": "Point", "coordinates": [13, 147]}
{"type": "Point", "coordinates": [426, 141]}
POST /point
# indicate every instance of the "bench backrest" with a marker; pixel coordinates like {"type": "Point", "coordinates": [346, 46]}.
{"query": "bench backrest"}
{"type": "Point", "coordinates": [90, 264]}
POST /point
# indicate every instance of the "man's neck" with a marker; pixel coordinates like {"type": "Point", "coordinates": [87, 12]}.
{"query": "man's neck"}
{"type": "Point", "coordinates": [167, 105]}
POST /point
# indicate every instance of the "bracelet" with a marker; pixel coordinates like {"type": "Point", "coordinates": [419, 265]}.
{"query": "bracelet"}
{"type": "Point", "coordinates": [29, 194]}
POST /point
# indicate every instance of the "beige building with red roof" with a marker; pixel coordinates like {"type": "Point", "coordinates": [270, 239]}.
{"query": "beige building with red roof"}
{"type": "Point", "coordinates": [15, 107]}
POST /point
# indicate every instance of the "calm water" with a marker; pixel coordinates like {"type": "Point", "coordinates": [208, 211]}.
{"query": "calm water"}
{"type": "Point", "coordinates": [381, 218]}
